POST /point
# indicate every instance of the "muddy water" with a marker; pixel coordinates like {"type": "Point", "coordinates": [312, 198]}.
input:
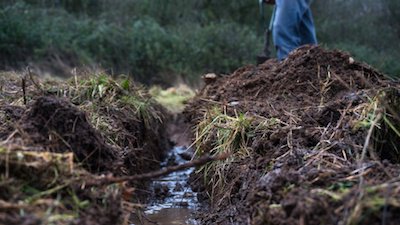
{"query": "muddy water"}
{"type": "Point", "coordinates": [175, 201]}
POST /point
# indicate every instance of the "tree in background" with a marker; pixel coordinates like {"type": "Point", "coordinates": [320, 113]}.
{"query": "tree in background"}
{"type": "Point", "coordinates": [366, 28]}
{"type": "Point", "coordinates": [160, 41]}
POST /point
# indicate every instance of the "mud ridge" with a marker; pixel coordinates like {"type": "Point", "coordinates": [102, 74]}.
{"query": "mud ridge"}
{"type": "Point", "coordinates": [68, 133]}
{"type": "Point", "coordinates": [313, 142]}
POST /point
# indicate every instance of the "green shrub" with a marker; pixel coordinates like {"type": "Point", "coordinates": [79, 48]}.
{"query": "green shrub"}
{"type": "Point", "coordinates": [160, 41]}
{"type": "Point", "coordinates": [382, 60]}
{"type": "Point", "coordinates": [18, 38]}
{"type": "Point", "coordinates": [221, 47]}
{"type": "Point", "coordinates": [365, 28]}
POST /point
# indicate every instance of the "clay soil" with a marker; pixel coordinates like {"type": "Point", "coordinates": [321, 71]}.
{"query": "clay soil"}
{"type": "Point", "coordinates": [333, 158]}
{"type": "Point", "coordinates": [57, 138]}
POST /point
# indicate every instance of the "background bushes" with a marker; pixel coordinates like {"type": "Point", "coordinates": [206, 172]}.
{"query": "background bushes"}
{"type": "Point", "coordinates": [369, 29]}
{"type": "Point", "coordinates": [161, 41]}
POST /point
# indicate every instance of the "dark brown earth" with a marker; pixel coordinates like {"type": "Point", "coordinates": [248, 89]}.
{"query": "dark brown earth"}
{"type": "Point", "coordinates": [329, 157]}
{"type": "Point", "coordinates": [324, 163]}
{"type": "Point", "coordinates": [59, 126]}
{"type": "Point", "coordinates": [52, 146]}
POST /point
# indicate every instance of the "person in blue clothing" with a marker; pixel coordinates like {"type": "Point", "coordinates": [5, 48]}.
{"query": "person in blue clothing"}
{"type": "Point", "coordinates": [293, 25]}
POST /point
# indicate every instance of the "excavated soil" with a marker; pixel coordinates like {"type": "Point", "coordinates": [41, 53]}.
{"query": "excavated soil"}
{"type": "Point", "coordinates": [323, 164]}
{"type": "Point", "coordinates": [69, 130]}
{"type": "Point", "coordinates": [55, 143]}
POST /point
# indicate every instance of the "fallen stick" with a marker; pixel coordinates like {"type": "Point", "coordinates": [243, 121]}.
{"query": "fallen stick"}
{"type": "Point", "coordinates": [11, 206]}
{"type": "Point", "coordinates": [145, 176]}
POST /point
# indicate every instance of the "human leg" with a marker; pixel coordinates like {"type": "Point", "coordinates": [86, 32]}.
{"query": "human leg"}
{"type": "Point", "coordinates": [285, 30]}
{"type": "Point", "coordinates": [293, 26]}
{"type": "Point", "coordinates": [307, 29]}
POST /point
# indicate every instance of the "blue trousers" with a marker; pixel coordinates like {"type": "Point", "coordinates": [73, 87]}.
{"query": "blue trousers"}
{"type": "Point", "coordinates": [293, 26]}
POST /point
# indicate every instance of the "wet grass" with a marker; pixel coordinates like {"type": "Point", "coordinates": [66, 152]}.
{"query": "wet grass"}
{"type": "Point", "coordinates": [218, 133]}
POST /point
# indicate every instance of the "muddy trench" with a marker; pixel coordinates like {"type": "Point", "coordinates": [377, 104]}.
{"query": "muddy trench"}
{"type": "Point", "coordinates": [309, 140]}
{"type": "Point", "coordinates": [172, 200]}
{"type": "Point", "coordinates": [62, 152]}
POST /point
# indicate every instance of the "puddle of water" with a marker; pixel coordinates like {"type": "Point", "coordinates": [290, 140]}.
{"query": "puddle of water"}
{"type": "Point", "coordinates": [176, 201]}
{"type": "Point", "coordinates": [170, 216]}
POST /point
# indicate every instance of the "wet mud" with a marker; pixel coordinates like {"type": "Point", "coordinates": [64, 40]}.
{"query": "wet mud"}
{"type": "Point", "coordinates": [320, 146]}
{"type": "Point", "coordinates": [59, 126]}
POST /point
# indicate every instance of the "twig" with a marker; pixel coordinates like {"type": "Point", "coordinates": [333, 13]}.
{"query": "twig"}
{"type": "Point", "coordinates": [212, 101]}
{"type": "Point", "coordinates": [24, 89]}
{"type": "Point", "coordinates": [148, 219]}
{"type": "Point", "coordinates": [341, 81]}
{"type": "Point", "coordinates": [368, 138]}
{"type": "Point", "coordinates": [194, 163]}
{"type": "Point", "coordinates": [33, 80]}
{"type": "Point", "coordinates": [358, 206]}
{"type": "Point", "coordinates": [11, 206]}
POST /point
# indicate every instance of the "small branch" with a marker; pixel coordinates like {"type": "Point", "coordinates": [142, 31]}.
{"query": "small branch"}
{"type": "Point", "coordinates": [24, 89]}
{"type": "Point", "coordinates": [194, 163]}
{"type": "Point", "coordinates": [4, 206]}
{"type": "Point", "coordinates": [357, 208]}
{"type": "Point", "coordinates": [368, 138]}
{"type": "Point", "coordinates": [37, 85]}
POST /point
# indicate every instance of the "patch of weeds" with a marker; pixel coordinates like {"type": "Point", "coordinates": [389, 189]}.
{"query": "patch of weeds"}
{"type": "Point", "coordinates": [173, 98]}
{"type": "Point", "coordinates": [367, 116]}
{"type": "Point", "coordinates": [387, 138]}
{"type": "Point", "coordinates": [45, 185]}
{"type": "Point", "coordinates": [341, 186]}
{"type": "Point", "coordinates": [381, 112]}
{"type": "Point", "coordinates": [100, 94]}
{"type": "Point", "coordinates": [336, 191]}
{"type": "Point", "coordinates": [378, 201]}
{"type": "Point", "coordinates": [219, 133]}
{"type": "Point", "coordinates": [143, 108]}
{"type": "Point", "coordinates": [101, 87]}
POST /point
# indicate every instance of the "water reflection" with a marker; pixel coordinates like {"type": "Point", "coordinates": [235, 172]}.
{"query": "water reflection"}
{"type": "Point", "coordinates": [175, 201]}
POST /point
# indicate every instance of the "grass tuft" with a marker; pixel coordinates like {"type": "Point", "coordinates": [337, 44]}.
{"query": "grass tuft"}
{"type": "Point", "coordinates": [219, 133]}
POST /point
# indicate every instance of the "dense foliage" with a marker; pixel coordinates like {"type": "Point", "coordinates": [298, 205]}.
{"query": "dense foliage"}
{"type": "Point", "coordinates": [164, 40]}
{"type": "Point", "coordinates": [369, 29]}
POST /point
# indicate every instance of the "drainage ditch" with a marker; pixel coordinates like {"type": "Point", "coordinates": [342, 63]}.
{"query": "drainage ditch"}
{"type": "Point", "coordinates": [174, 201]}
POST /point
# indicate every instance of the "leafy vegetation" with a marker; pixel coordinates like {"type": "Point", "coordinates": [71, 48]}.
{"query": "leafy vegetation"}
{"type": "Point", "coordinates": [366, 28]}
{"type": "Point", "coordinates": [162, 41]}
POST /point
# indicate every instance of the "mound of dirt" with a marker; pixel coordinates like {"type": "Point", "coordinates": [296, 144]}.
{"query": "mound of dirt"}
{"type": "Point", "coordinates": [310, 76]}
{"type": "Point", "coordinates": [67, 136]}
{"type": "Point", "coordinates": [327, 149]}
{"type": "Point", "coordinates": [59, 126]}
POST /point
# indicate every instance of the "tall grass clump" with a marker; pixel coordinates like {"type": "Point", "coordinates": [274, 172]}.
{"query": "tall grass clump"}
{"type": "Point", "coordinates": [218, 133]}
